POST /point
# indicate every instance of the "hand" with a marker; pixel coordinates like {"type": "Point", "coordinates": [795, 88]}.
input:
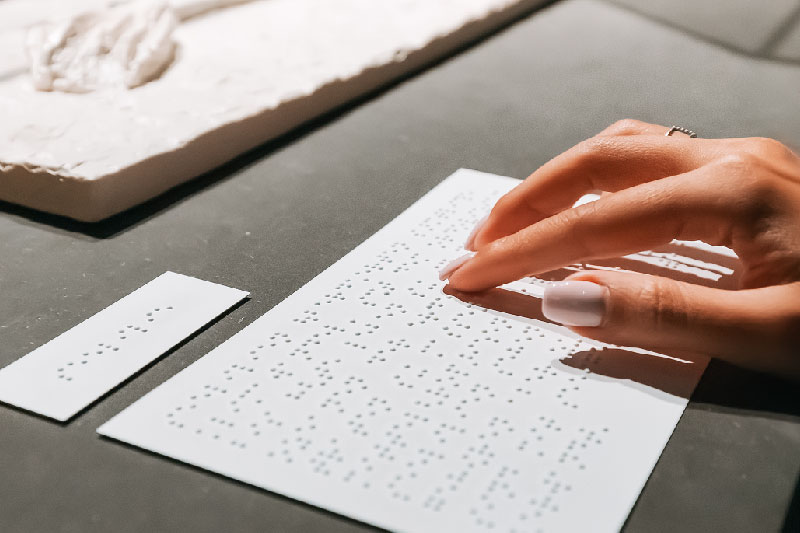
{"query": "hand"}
{"type": "Point", "coordinates": [740, 193]}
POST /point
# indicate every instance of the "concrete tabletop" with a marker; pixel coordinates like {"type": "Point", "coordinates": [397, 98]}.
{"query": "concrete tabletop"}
{"type": "Point", "coordinates": [274, 218]}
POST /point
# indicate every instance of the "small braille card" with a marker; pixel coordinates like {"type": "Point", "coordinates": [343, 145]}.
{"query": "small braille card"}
{"type": "Point", "coordinates": [377, 393]}
{"type": "Point", "coordinates": [76, 368]}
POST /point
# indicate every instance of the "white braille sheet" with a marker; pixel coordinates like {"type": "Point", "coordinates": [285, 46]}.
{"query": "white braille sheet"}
{"type": "Point", "coordinates": [376, 393]}
{"type": "Point", "coordinates": [67, 374]}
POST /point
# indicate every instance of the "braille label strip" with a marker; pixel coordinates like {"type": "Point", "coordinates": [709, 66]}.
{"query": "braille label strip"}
{"type": "Point", "coordinates": [76, 368]}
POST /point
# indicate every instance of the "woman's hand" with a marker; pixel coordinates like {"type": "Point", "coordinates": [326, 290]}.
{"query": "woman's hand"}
{"type": "Point", "coordinates": [740, 193]}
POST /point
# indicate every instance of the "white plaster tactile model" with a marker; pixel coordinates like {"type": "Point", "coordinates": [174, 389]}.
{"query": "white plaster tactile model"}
{"type": "Point", "coordinates": [241, 76]}
{"type": "Point", "coordinates": [373, 393]}
{"type": "Point", "coordinates": [67, 374]}
{"type": "Point", "coordinates": [119, 47]}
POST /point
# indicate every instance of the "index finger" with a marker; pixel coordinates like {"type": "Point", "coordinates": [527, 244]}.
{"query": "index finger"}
{"type": "Point", "coordinates": [606, 163]}
{"type": "Point", "coordinates": [635, 219]}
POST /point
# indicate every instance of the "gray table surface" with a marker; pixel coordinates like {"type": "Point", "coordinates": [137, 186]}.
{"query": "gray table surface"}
{"type": "Point", "coordinates": [276, 217]}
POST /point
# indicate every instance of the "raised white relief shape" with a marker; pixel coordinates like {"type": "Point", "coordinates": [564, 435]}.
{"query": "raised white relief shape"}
{"type": "Point", "coordinates": [76, 368]}
{"type": "Point", "coordinates": [239, 76]}
{"type": "Point", "coordinates": [119, 47]}
{"type": "Point", "coordinates": [374, 393]}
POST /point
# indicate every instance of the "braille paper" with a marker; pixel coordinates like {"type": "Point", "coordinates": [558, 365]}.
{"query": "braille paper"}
{"type": "Point", "coordinates": [76, 368]}
{"type": "Point", "coordinates": [377, 393]}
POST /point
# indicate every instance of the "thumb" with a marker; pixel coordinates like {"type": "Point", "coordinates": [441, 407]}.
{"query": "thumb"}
{"type": "Point", "coordinates": [756, 328]}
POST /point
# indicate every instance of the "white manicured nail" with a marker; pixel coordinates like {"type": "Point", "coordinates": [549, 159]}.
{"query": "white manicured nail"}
{"type": "Point", "coordinates": [470, 244]}
{"type": "Point", "coordinates": [575, 303]}
{"type": "Point", "coordinates": [453, 265]}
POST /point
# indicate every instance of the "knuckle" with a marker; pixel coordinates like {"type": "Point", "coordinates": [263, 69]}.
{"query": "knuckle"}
{"type": "Point", "coordinates": [509, 206]}
{"type": "Point", "coordinates": [769, 148]}
{"type": "Point", "coordinates": [748, 181]}
{"type": "Point", "coordinates": [626, 126]}
{"type": "Point", "coordinates": [576, 217]}
{"type": "Point", "coordinates": [495, 248]}
{"type": "Point", "coordinates": [582, 213]}
{"type": "Point", "coordinates": [757, 153]}
{"type": "Point", "coordinates": [577, 222]}
{"type": "Point", "coordinates": [667, 303]}
{"type": "Point", "coordinates": [739, 163]}
{"type": "Point", "coordinates": [502, 205]}
{"type": "Point", "coordinates": [590, 151]}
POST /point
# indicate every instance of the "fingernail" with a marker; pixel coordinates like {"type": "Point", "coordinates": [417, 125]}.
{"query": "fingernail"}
{"type": "Point", "coordinates": [470, 244]}
{"type": "Point", "coordinates": [575, 303]}
{"type": "Point", "coordinates": [453, 265]}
